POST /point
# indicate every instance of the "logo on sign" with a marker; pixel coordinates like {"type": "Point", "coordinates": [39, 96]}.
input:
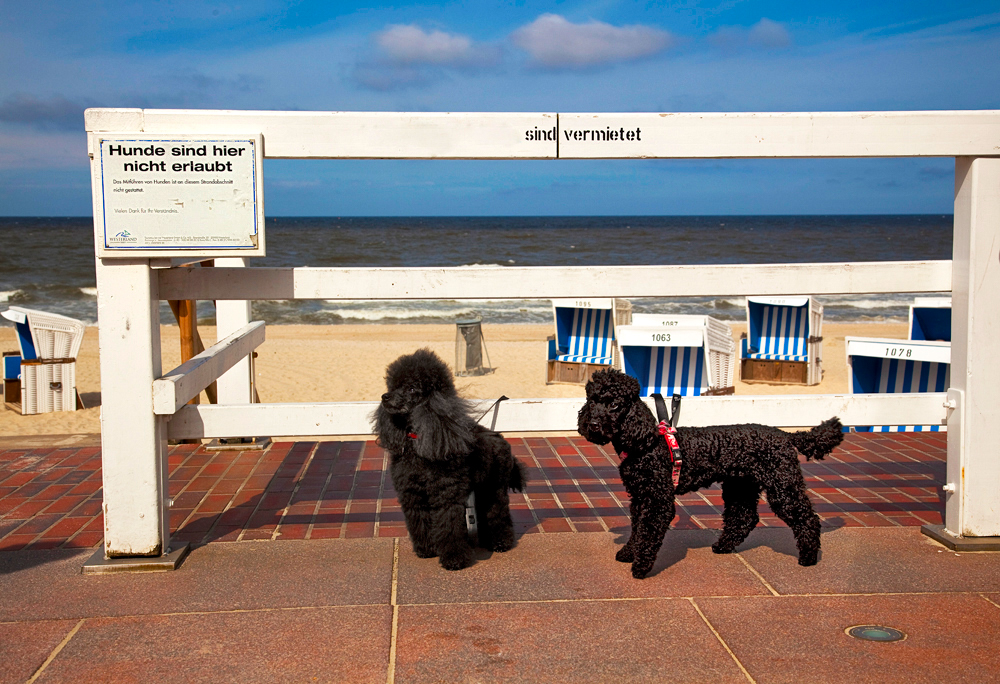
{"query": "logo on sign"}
{"type": "Point", "coordinates": [123, 237]}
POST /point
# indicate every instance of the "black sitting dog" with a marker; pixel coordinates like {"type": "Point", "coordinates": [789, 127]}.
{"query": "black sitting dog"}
{"type": "Point", "coordinates": [439, 455]}
{"type": "Point", "coordinates": [746, 459]}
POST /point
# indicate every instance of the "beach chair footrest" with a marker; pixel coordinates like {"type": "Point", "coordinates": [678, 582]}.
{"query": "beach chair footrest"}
{"type": "Point", "coordinates": [12, 395]}
{"type": "Point", "coordinates": [571, 372]}
{"type": "Point", "coordinates": [774, 372]}
{"type": "Point", "coordinates": [719, 392]}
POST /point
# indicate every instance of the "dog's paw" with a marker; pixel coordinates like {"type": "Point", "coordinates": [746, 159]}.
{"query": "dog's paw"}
{"type": "Point", "coordinates": [808, 559]}
{"type": "Point", "coordinates": [624, 555]}
{"type": "Point", "coordinates": [720, 547]}
{"type": "Point", "coordinates": [503, 544]}
{"type": "Point", "coordinates": [640, 570]}
{"type": "Point", "coordinates": [457, 561]}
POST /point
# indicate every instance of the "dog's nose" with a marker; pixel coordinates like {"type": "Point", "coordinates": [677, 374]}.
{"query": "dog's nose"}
{"type": "Point", "coordinates": [385, 397]}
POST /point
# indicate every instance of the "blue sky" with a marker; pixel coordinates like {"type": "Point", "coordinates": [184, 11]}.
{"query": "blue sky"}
{"type": "Point", "coordinates": [58, 57]}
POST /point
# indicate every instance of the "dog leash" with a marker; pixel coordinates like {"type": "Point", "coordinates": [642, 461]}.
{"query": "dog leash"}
{"type": "Point", "coordinates": [495, 406]}
{"type": "Point", "coordinates": [668, 428]}
{"type": "Point", "coordinates": [471, 524]}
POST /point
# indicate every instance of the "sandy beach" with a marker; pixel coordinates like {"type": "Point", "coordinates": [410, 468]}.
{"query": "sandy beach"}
{"type": "Point", "coordinates": [347, 363]}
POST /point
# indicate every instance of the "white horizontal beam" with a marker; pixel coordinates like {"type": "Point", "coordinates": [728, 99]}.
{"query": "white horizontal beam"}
{"type": "Point", "coordinates": [500, 135]}
{"type": "Point", "coordinates": [179, 386]}
{"type": "Point", "coordinates": [776, 135]}
{"type": "Point", "coordinates": [539, 415]}
{"type": "Point", "coordinates": [545, 282]}
{"type": "Point", "coordinates": [357, 135]}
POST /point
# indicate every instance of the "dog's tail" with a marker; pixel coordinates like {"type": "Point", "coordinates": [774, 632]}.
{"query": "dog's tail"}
{"type": "Point", "coordinates": [819, 441]}
{"type": "Point", "coordinates": [518, 477]}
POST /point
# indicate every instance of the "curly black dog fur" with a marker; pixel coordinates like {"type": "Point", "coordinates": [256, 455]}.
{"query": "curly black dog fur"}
{"type": "Point", "coordinates": [439, 454]}
{"type": "Point", "coordinates": [746, 459]}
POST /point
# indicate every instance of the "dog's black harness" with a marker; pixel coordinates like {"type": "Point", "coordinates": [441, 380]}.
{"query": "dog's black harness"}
{"type": "Point", "coordinates": [668, 428]}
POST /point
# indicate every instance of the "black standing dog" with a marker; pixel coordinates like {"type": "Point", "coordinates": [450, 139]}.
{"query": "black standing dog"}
{"type": "Point", "coordinates": [746, 459]}
{"type": "Point", "coordinates": [439, 455]}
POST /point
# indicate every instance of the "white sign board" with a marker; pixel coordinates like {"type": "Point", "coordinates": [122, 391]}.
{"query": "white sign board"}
{"type": "Point", "coordinates": [179, 195]}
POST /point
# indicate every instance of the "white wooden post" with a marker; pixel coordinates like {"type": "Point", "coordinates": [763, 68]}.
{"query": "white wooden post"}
{"type": "Point", "coordinates": [973, 475]}
{"type": "Point", "coordinates": [235, 386]}
{"type": "Point", "coordinates": [133, 440]}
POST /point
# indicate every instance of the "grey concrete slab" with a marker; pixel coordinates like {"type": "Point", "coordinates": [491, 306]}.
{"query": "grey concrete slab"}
{"type": "Point", "coordinates": [99, 564]}
{"type": "Point", "coordinates": [577, 566]}
{"type": "Point", "coordinates": [221, 576]}
{"type": "Point", "coordinates": [652, 640]}
{"type": "Point", "coordinates": [940, 534]}
{"type": "Point", "coordinates": [303, 645]}
{"type": "Point", "coordinates": [869, 560]}
{"type": "Point", "coordinates": [795, 639]}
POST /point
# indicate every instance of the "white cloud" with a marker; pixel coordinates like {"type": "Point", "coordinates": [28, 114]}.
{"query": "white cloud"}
{"type": "Point", "coordinates": [407, 56]}
{"type": "Point", "coordinates": [765, 34]}
{"type": "Point", "coordinates": [769, 34]}
{"type": "Point", "coordinates": [554, 42]}
{"type": "Point", "coordinates": [407, 44]}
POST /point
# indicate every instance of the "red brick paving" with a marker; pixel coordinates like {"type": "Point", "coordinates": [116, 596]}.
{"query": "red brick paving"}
{"type": "Point", "coordinates": [51, 498]}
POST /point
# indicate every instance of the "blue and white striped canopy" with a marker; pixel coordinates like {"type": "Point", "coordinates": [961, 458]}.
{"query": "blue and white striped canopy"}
{"type": "Point", "coordinates": [777, 332]}
{"type": "Point", "coordinates": [585, 335]}
{"type": "Point", "coordinates": [667, 370]}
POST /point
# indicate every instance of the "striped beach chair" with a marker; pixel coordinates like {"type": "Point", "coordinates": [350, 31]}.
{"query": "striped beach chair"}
{"type": "Point", "coordinates": [930, 319]}
{"type": "Point", "coordinates": [686, 355]}
{"type": "Point", "coordinates": [885, 366]}
{"type": "Point", "coordinates": [49, 344]}
{"type": "Point", "coordinates": [584, 341]}
{"type": "Point", "coordinates": [783, 343]}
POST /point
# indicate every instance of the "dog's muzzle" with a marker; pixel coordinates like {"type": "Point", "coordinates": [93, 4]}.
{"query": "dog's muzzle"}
{"type": "Point", "coordinates": [394, 403]}
{"type": "Point", "coordinates": [595, 433]}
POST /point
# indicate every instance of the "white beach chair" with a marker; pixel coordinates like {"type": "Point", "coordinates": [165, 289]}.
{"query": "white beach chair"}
{"type": "Point", "coordinates": [783, 343]}
{"type": "Point", "coordinates": [685, 354]}
{"type": "Point", "coordinates": [886, 366]}
{"type": "Point", "coordinates": [49, 346]}
{"type": "Point", "coordinates": [930, 319]}
{"type": "Point", "coordinates": [584, 341]}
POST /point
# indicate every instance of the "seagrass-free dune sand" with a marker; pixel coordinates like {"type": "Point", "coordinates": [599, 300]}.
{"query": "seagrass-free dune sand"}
{"type": "Point", "coordinates": [347, 363]}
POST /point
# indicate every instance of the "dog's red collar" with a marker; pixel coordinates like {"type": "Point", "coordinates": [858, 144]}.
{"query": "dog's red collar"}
{"type": "Point", "coordinates": [669, 433]}
{"type": "Point", "coordinates": [412, 435]}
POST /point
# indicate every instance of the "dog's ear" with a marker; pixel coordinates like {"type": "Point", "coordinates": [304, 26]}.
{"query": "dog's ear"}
{"type": "Point", "coordinates": [631, 386]}
{"type": "Point", "coordinates": [443, 428]}
{"type": "Point", "coordinates": [635, 424]}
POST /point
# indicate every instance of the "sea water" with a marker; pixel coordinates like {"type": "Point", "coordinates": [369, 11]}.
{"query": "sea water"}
{"type": "Point", "coordinates": [48, 263]}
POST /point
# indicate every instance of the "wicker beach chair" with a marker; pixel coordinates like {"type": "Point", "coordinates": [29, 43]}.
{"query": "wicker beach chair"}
{"type": "Point", "coordinates": [885, 366]}
{"type": "Point", "coordinates": [930, 319]}
{"type": "Point", "coordinates": [49, 346]}
{"type": "Point", "coordinates": [783, 343]}
{"type": "Point", "coordinates": [584, 341]}
{"type": "Point", "coordinates": [686, 355]}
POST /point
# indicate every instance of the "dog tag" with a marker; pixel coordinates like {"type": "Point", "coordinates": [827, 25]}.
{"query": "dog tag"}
{"type": "Point", "coordinates": [470, 519]}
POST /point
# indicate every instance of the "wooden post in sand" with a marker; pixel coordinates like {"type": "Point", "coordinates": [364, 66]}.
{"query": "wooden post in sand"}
{"type": "Point", "coordinates": [186, 313]}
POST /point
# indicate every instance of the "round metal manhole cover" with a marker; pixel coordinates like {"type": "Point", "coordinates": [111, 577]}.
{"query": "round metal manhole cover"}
{"type": "Point", "coordinates": [875, 633]}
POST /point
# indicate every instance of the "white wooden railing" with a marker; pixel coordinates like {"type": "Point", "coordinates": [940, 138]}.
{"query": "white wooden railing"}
{"type": "Point", "coordinates": [528, 283]}
{"type": "Point", "coordinates": [134, 440]}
